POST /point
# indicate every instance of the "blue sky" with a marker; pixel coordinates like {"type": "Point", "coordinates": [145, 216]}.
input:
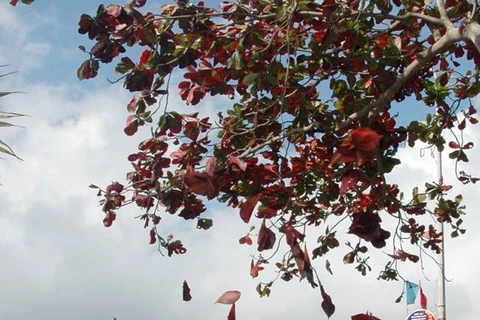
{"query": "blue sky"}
{"type": "Point", "coordinates": [58, 261]}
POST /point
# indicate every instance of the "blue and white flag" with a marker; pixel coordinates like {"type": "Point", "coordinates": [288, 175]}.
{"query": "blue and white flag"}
{"type": "Point", "coordinates": [412, 290]}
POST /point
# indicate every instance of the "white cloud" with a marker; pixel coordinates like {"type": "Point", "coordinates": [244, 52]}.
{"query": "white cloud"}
{"type": "Point", "coordinates": [19, 44]}
{"type": "Point", "coordinates": [61, 262]}
{"type": "Point", "coordinates": [58, 261]}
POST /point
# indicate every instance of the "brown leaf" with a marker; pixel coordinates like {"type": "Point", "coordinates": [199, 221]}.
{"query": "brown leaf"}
{"type": "Point", "coordinates": [246, 208]}
{"type": "Point", "coordinates": [291, 233]}
{"type": "Point", "coordinates": [266, 212]}
{"type": "Point", "coordinates": [131, 126]}
{"type": "Point", "coordinates": [210, 166]}
{"type": "Point", "coordinates": [242, 165]}
{"type": "Point", "coordinates": [363, 316]}
{"type": "Point", "coordinates": [132, 105]}
{"type": "Point", "coordinates": [350, 180]}
{"type": "Point", "coordinates": [201, 183]}
{"type": "Point", "coordinates": [328, 267]}
{"type": "Point", "coordinates": [229, 297]}
{"type": "Point", "coordinates": [231, 314]}
{"type": "Point", "coordinates": [153, 236]}
{"type": "Point", "coordinates": [114, 10]}
{"type": "Point", "coordinates": [186, 292]}
{"type": "Point", "coordinates": [246, 240]}
{"type": "Point", "coordinates": [266, 238]}
{"type": "Point", "coordinates": [359, 146]}
{"type": "Point", "coordinates": [327, 305]}
{"type": "Point", "coordinates": [255, 268]}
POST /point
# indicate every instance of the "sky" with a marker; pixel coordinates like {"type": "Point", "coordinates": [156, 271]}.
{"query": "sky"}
{"type": "Point", "coordinates": [60, 262]}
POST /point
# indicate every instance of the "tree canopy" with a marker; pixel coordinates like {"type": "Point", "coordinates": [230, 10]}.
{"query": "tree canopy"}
{"type": "Point", "coordinates": [310, 136]}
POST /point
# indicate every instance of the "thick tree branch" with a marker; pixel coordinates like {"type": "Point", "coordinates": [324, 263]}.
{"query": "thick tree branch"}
{"type": "Point", "coordinates": [418, 15]}
{"type": "Point", "coordinates": [472, 32]}
{"type": "Point", "coordinates": [442, 45]}
{"type": "Point", "coordinates": [444, 15]}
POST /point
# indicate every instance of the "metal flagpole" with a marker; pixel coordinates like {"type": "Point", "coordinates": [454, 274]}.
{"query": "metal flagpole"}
{"type": "Point", "coordinates": [441, 259]}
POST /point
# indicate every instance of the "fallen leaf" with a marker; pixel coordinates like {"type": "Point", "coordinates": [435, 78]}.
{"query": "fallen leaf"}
{"type": "Point", "coordinates": [229, 297]}
{"type": "Point", "coordinates": [328, 267]}
{"type": "Point", "coordinates": [363, 316]}
{"type": "Point", "coordinates": [186, 292]}
{"type": "Point", "coordinates": [231, 314]}
{"type": "Point", "coordinates": [327, 304]}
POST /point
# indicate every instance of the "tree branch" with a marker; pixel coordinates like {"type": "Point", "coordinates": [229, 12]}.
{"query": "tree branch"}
{"type": "Point", "coordinates": [418, 15]}
{"type": "Point", "coordinates": [472, 32]}
{"type": "Point", "coordinates": [444, 15]}
{"type": "Point", "coordinates": [311, 126]}
{"type": "Point", "coordinates": [442, 45]}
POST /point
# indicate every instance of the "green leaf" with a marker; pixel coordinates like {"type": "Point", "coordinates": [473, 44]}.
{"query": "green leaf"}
{"type": "Point", "coordinates": [236, 61]}
{"type": "Point", "coordinates": [3, 94]}
{"type": "Point", "coordinates": [204, 224]}
{"type": "Point", "coordinates": [8, 115]}
{"type": "Point", "coordinates": [125, 65]}
{"type": "Point", "coordinates": [6, 124]}
{"type": "Point", "coordinates": [250, 78]}
{"type": "Point", "coordinates": [7, 150]}
{"type": "Point", "coordinates": [454, 154]}
{"type": "Point", "coordinates": [458, 198]}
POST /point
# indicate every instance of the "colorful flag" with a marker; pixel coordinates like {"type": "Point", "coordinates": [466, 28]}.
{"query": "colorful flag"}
{"type": "Point", "coordinates": [412, 290]}
{"type": "Point", "coordinates": [423, 299]}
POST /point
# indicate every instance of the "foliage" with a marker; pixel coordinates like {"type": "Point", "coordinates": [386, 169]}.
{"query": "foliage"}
{"type": "Point", "coordinates": [309, 137]}
{"type": "Point", "coordinates": [4, 122]}
{"type": "Point", "coordinates": [14, 2]}
{"type": "Point", "coordinates": [5, 148]}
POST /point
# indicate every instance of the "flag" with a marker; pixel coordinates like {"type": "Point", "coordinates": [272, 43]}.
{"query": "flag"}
{"type": "Point", "coordinates": [412, 291]}
{"type": "Point", "coordinates": [423, 299]}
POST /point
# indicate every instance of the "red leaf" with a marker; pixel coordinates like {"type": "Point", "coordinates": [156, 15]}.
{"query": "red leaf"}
{"type": "Point", "coordinates": [131, 126]}
{"type": "Point", "coordinates": [176, 247]}
{"type": "Point", "coordinates": [363, 316]}
{"type": "Point", "coordinates": [266, 238]}
{"type": "Point", "coordinates": [453, 145]}
{"type": "Point", "coordinates": [146, 54]}
{"type": "Point", "coordinates": [186, 292]}
{"type": "Point", "coordinates": [201, 183]}
{"type": "Point", "coordinates": [210, 166]}
{"type": "Point", "coordinates": [107, 222]}
{"type": "Point", "coordinates": [328, 267]}
{"type": "Point", "coordinates": [267, 213]}
{"type": "Point", "coordinates": [359, 146]}
{"type": "Point", "coordinates": [350, 180]}
{"type": "Point", "coordinates": [132, 105]}
{"type": "Point", "coordinates": [327, 305]}
{"type": "Point", "coordinates": [229, 297]}
{"type": "Point", "coordinates": [153, 236]}
{"type": "Point", "coordinates": [246, 208]}
{"type": "Point", "coordinates": [291, 233]}
{"type": "Point", "coordinates": [366, 225]}
{"type": "Point", "coordinates": [114, 10]}
{"type": "Point", "coordinates": [13, 2]}
{"type": "Point", "coordinates": [242, 165]}
{"type": "Point", "coordinates": [255, 268]}
{"type": "Point", "coordinates": [246, 240]}
{"type": "Point", "coordinates": [139, 3]}
{"type": "Point", "coordinates": [231, 314]}
{"type": "Point", "coordinates": [443, 79]}
{"type": "Point", "coordinates": [87, 70]}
